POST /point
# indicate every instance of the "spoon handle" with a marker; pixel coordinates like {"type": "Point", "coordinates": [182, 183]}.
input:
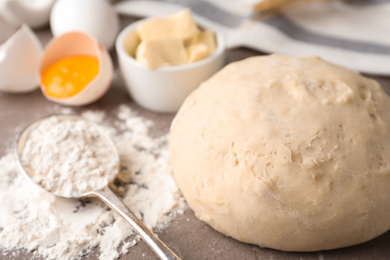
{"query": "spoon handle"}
{"type": "Point", "coordinates": [111, 200]}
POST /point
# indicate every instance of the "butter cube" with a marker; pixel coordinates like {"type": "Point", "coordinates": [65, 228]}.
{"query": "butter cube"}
{"type": "Point", "coordinates": [162, 52]}
{"type": "Point", "coordinates": [201, 46]}
{"type": "Point", "coordinates": [154, 29]}
{"type": "Point", "coordinates": [131, 42]}
{"type": "Point", "coordinates": [180, 25]}
{"type": "Point", "coordinates": [208, 38]}
{"type": "Point", "coordinates": [184, 25]}
{"type": "Point", "coordinates": [197, 52]}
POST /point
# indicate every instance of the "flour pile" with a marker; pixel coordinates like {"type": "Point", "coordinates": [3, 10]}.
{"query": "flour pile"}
{"type": "Point", "coordinates": [68, 229]}
{"type": "Point", "coordinates": [69, 156]}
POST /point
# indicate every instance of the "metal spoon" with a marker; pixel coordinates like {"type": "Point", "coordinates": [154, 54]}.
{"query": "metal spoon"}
{"type": "Point", "coordinates": [105, 194]}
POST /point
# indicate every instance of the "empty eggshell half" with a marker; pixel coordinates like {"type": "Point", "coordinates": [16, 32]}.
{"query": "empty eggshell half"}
{"type": "Point", "coordinates": [74, 44]}
{"type": "Point", "coordinates": [19, 59]}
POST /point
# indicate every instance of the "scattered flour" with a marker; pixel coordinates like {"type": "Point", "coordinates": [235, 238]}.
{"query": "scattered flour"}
{"type": "Point", "coordinates": [69, 157]}
{"type": "Point", "coordinates": [93, 115]}
{"type": "Point", "coordinates": [58, 228]}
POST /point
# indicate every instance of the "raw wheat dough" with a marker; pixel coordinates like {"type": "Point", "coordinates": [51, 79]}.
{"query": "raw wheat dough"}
{"type": "Point", "coordinates": [287, 153]}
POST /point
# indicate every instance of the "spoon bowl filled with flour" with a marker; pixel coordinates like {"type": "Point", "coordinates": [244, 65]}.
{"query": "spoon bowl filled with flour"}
{"type": "Point", "coordinates": [67, 155]}
{"type": "Point", "coordinates": [71, 157]}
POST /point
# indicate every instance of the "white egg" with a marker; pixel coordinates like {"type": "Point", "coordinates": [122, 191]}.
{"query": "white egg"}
{"type": "Point", "coordinates": [19, 59]}
{"type": "Point", "coordinates": [34, 13]}
{"type": "Point", "coordinates": [95, 17]}
{"type": "Point", "coordinates": [75, 44]}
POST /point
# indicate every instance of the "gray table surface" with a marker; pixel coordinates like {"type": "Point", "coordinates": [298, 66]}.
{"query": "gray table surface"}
{"type": "Point", "coordinates": [186, 235]}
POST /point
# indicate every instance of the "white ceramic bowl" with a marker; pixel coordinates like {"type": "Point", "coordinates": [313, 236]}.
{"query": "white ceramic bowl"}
{"type": "Point", "coordinates": [163, 89]}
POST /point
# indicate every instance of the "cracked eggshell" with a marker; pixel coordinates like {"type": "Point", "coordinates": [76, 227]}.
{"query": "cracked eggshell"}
{"type": "Point", "coordinates": [19, 59]}
{"type": "Point", "coordinates": [35, 13]}
{"type": "Point", "coordinates": [95, 17]}
{"type": "Point", "coordinates": [77, 44]}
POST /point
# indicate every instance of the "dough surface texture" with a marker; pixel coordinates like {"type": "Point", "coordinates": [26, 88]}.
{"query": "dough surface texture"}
{"type": "Point", "coordinates": [286, 153]}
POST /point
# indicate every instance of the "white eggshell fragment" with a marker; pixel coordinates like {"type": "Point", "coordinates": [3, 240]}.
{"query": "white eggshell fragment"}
{"type": "Point", "coordinates": [95, 17]}
{"type": "Point", "coordinates": [78, 44]}
{"type": "Point", "coordinates": [34, 13]}
{"type": "Point", "coordinates": [19, 59]}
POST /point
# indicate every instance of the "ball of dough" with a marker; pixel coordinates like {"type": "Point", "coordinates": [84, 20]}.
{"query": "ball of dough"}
{"type": "Point", "coordinates": [286, 153]}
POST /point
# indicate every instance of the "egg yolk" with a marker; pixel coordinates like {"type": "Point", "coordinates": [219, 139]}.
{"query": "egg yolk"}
{"type": "Point", "coordinates": [67, 77]}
